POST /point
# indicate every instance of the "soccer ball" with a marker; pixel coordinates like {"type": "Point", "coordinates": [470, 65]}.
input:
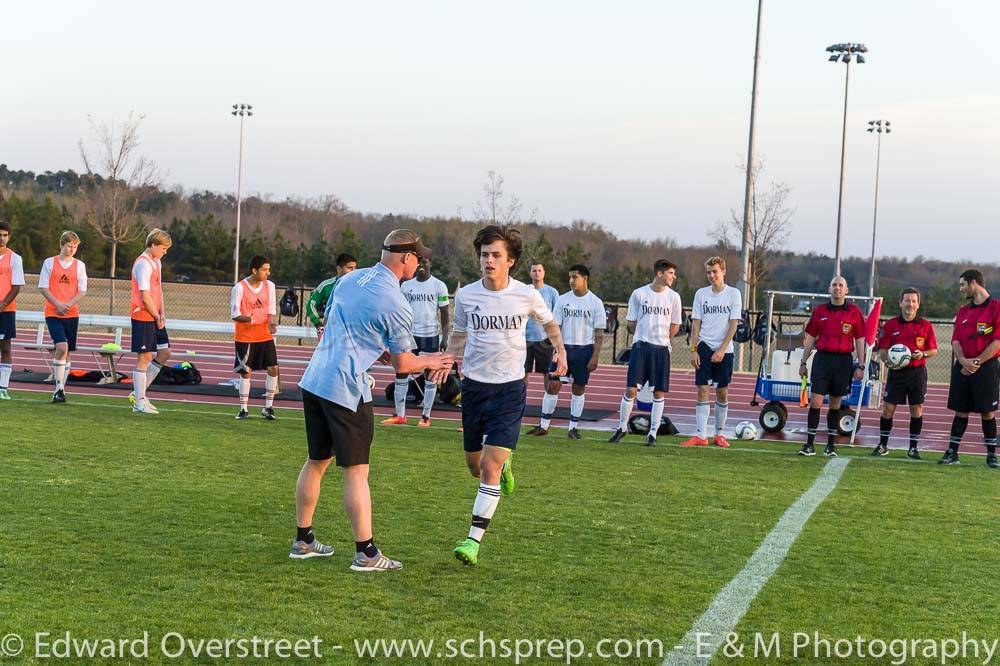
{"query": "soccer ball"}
{"type": "Point", "coordinates": [746, 430]}
{"type": "Point", "coordinates": [899, 356]}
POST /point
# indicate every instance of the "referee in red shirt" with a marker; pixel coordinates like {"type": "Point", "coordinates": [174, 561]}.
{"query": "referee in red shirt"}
{"type": "Point", "coordinates": [835, 329]}
{"type": "Point", "coordinates": [907, 385]}
{"type": "Point", "coordinates": [975, 376]}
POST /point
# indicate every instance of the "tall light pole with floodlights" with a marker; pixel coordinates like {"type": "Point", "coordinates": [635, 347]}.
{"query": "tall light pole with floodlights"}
{"type": "Point", "coordinates": [844, 53]}
{"type": "Point", "coordinates": [876, 127]}
{"type": "Point", "coordinates": [244, 111]}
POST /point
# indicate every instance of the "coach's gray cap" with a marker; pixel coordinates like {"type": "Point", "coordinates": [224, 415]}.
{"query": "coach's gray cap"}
{"type": "Point", "coordinates": [404, 240]}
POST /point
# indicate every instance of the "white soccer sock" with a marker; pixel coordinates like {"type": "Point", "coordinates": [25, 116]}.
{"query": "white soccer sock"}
{"type": "Point", "coordinates": [59, 374]}
{"type": "Point", "coordinates": [139, 385]}
{"type": "Point", "coordinates": [430, 392]}
{"type": "Point", "coordinates": [487, 500]}
{"type": "Point", "coordinates": [151, 372]}
{"type": "Point", "coordinates": [625, 411]}
{"type": "Point", "coordinates": [5, 370]}
{"type": "Point", "coordinates": [244, 392]}
{"type": "Point", "coordinates": [655, 416]}
{"type": "Point", "coordinates": [402, 386]}
{"type": "Point", "coordinates": [701, 412]}
{"type": "Point", "coordinates": [721, 414]}
{"type": "Point", "coordinates": [549, 403]}
{"type": "Point", "coordinates": [575, 410]}
{"type": "Point", "coordinates": [270, 388]}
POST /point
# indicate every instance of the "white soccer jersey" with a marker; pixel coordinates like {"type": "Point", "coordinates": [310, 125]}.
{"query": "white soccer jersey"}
{"type": "Point", "coordinates": [716, 310]}
{"type": "Point", "coordinates": [426, 299]}
{"type": "Point", "coordinates": [653, 313]}
{"type": "Point", "coordinates": [579, 316]}
{"type": "Point", "coordinates": [46, 273]}
{"type": "Point", "coordinates": [494, 323]}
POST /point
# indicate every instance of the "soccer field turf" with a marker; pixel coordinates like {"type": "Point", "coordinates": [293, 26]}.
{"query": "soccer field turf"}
{"type": "Point", "coordinates": [115, 524]}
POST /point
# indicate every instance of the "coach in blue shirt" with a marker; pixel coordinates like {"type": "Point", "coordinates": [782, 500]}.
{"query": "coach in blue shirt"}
{"type": "Point", "coordinates": [538, 355]}
{"type": "Point", "coordinates": [367, 320]}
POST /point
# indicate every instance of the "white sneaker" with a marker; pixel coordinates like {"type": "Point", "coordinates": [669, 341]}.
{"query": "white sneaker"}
{"type": "Point", "coordinates": [144, 408]}
{"type": "Point", "coordinates": [151, 408]}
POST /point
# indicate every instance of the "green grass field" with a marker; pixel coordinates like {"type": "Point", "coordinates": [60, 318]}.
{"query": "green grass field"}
{"type": "Point", "coordinates": [115, 524]}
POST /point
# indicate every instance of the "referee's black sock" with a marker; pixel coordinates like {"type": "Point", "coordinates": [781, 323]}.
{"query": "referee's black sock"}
{"type": "Point", "coordinates": [884, 430]}
{"type": "Point", "coordinates": [367, 547]}
{"type": "Point", "coordinates": [958, 426]}
{"type": "Point", "coordinates": [812, 422]}
{"type": "Point", "coordinates": [990, 435]}
{"type": "Point", "coordinates": [304, 534]}
{"type": "Point", "coordinates": [916, 425]}
{"type": "Point", "coordinates": [832, 417]}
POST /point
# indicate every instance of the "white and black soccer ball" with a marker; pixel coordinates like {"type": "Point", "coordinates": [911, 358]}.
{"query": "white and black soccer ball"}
{"type": "Point", "coordinates": [746, 430]}
{"type": "Point", "coordinates": [898, 357]}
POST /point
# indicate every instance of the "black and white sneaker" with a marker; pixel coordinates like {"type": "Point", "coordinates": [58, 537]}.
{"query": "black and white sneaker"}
{"type": "Point", "coordinates": [950, 457]}
{"type": "Point", "coordinates": [830, 451]}
{"type": "Point", "coordinates": [268, 413]}
{"type": "Point", "coordinates": [617, 436]}
{"type": "Point", "coordinates": [537, 431]}
{"type": "Point", "coordinates": [913, 454]}
{"type": "Point", "coordinates": [880, 450]}
{"type": "Point", "coordinates": [807, 450]}
{"type": "Point", "coordinates": [573, 433]}
{"type": "Point", "coordinates": [650, 440]}
{"type": "Point", "coordinates": [243, 415]}
{"type": "Point", "coordinates": [991, 461]}
{"type": "Point", "coordinates": [59, 396]}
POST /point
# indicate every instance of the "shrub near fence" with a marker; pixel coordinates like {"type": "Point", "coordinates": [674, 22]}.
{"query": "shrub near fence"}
{"type": "Point", "coordinates": [210, 302]}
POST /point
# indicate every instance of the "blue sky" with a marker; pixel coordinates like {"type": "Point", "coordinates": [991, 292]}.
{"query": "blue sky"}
{"type": "Point", "coordinates": [632, 114]}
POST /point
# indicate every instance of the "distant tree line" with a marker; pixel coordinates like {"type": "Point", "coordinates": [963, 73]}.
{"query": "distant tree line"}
{"type": "Point", "coordinates": [303, 237]}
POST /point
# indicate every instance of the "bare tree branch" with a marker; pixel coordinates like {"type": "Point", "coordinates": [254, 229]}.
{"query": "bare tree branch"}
{"type": "Point", "coordinates": [115, 181]}
{"type": "Point", "coordinates": [771, 225]}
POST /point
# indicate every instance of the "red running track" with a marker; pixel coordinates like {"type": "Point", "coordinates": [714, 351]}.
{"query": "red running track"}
{"type": "Point", "coordinates": [603, 393]}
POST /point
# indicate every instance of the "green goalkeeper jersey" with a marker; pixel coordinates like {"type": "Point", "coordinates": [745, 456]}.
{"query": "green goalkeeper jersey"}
{"type": "Point", "coordinates": [316, 305]}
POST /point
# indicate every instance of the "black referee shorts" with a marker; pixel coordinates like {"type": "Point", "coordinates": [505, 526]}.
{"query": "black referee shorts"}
{"type": "Point", "coordinates": [977, 392]}
{"type": "Point", "coordinates": [333, 430]}
{"type": "Point", "coordinates": [907, 386]}
{"type": "Point", "coordinates": [832, 374]}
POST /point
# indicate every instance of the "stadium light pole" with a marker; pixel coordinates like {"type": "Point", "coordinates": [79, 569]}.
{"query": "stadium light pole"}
{"type": "Point", "coordinates": [744, 283]}
{"type": "Point", "coordinates": [844, 53]}
{"type": "Point", "coordinates": [876, 127]}
{"type": "Point", "coordinates": [244, 111]}
{"type": "Point", "coordinates": [748, 211]}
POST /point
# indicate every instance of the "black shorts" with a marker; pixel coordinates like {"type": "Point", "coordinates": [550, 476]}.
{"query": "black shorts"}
{"type": "Point", "coordinates": [147, 338]}
{"type": "Point", "coordinates": [429, 345]}
{"type": "Point", "coordinates": [333, 430]}
{"type": "Point", "coordinates": [577, 359]}
{"type": "Point", "coordinates": [720, 374]}
{"type": "Point", "coordinates": [8, 326]}
{"type": "Point", "coordinates": [906, 387]}
{"type": "Point", "coordinates": [255, 356]}
{"type": "Point", "coordinates": [649, 364]}
{"type": "Point", "coordinates": [977, 392]}
{"type": "Point", "coordinates": [832, 374]}
{"type": "Point", "coordinates": [539, 356]}
{"type": "Point", "coordinates": [63, 329]}
{"type": "Point", "coordinates": [491, 413]}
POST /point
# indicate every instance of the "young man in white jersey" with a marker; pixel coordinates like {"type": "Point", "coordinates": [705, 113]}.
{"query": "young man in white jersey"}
{"type": "Point", "coordinates": [489, 333]}
{"type": "Point", "coordinates": [63, 283]}
{"type": "Point", "coordinates": [653, 318]}
{"type": "Point", "coordinates": [11, 281]}
{"type": "Point", "coordinates": [253, 307]}
{"type": "Point", "coordinates": [715, 316]}
{"type": "Point", "coordinates": [581, 318]}
{"type": "Point", "coordinates": [149, 324]}
{"type": "Point", "coordinates": [428, 298]}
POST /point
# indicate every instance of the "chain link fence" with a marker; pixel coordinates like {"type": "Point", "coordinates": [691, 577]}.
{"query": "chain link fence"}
{"type": "Point", "coordinates": [210, 302]}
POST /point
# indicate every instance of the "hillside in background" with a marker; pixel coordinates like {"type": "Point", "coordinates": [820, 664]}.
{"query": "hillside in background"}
{"type": "Point", "coordinates": [303, 236]}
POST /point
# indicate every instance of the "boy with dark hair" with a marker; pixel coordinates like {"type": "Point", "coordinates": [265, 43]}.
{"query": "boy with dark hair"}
{"type": "Point", "coordinates": [253, 307]}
